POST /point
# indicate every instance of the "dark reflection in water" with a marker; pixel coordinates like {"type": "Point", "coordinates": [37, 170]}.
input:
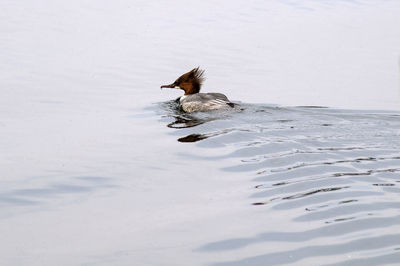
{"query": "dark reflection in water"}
{"type": "Point", "coordinates": [182, 122]}
{"type": "Point", "coordinates": [336, 169]}
{"type": "Point", "coordinates": [192, 138]}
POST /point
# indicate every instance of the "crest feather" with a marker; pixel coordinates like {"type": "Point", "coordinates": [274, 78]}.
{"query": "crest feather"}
{"type": "Point", "coordinates": [198, 74]}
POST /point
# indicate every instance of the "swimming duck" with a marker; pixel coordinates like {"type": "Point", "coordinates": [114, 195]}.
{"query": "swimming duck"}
{"type": "Point", "coordinates": [193, 100]}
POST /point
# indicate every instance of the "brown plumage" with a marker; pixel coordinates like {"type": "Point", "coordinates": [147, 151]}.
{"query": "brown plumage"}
{"type": "Point", "coordinates": [190, 82]}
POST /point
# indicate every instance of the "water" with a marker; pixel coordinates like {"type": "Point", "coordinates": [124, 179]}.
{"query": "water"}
{"type": "Point", "coordinates": [100, 167]}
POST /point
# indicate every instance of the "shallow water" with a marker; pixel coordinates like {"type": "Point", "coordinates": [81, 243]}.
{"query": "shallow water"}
{"type": "Point", "coordinates": [100, 167]}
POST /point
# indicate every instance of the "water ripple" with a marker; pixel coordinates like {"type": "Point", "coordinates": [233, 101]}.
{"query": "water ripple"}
{"type": "Point", "coordinates": [390, 241]}
{"type": "Point", "coordinates": [335, 171]}
{"type": "Point", "coordinates": [44, 194]}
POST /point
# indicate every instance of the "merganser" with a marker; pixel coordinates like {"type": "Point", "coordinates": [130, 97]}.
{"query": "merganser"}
{"type": "Point", "coordinates": [193, 100]}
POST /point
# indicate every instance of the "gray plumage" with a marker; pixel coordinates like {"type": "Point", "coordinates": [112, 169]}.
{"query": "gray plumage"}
{"type": "Point", "coordinates": [205, 102]}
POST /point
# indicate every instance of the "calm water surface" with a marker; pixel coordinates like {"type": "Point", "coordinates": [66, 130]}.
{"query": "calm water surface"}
{"type": "Point", "coordinates": [100, 167]}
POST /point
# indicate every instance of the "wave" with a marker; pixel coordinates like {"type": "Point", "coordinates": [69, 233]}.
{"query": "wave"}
{"type": "Point", "coordinates": [336, 171]}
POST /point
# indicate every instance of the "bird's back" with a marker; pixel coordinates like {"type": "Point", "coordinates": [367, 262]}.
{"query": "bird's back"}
{"type": "Point", "coordinates": [205, 102]}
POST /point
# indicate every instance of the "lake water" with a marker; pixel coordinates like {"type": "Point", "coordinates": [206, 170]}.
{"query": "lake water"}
{"type": "Point", "coordinates": [100, 167]}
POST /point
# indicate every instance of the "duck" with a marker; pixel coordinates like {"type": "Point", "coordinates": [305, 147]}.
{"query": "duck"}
{"type": "Point", "coordinates": [195, 101]}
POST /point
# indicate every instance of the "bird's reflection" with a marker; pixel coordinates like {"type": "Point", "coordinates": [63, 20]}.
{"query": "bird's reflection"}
{"type": "Point", "coordinates": [193, 138]}
{"type": "Point", "coordinates": [182, 120]}
{"type": "Point", "coordinates": [186, 122]}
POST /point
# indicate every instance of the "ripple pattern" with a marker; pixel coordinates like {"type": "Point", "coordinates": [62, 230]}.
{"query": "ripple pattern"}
{"type": "Point", "coordinates": [334, 172]}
